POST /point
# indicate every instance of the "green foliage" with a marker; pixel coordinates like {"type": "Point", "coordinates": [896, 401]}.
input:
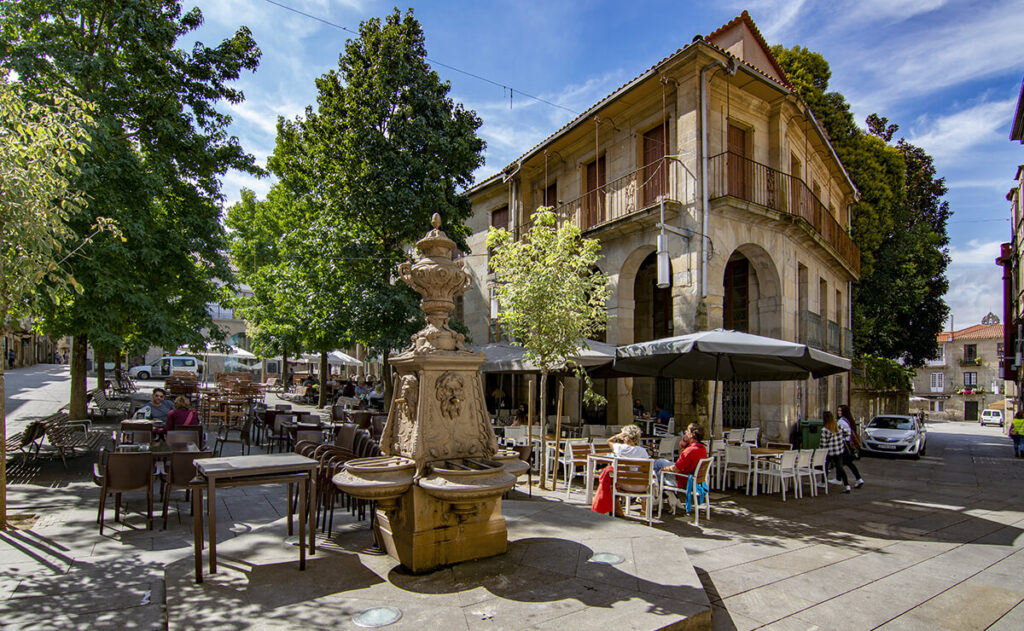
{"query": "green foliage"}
{"type": "Point", "coordinates": [385, 148]}
{"type": "Point", "coordinates": [880, 373]}
{"type": "Point", "coordinates": [899, 223]}
{"type": "Point", "coordinates": [550, 295]}
{"type": "Point", "coordinates": [156, 151]}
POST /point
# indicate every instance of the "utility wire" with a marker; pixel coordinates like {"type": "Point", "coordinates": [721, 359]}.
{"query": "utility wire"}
{"type": "Point", "coordinates": [510, 89]}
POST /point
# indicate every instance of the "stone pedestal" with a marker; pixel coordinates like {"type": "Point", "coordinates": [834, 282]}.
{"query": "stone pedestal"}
{"type": "Point", "coordinates": [423, 534]}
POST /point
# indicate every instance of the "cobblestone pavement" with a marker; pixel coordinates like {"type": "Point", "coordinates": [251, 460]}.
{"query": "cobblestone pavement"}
{"type": "Point", "coordinates": [934, 543]}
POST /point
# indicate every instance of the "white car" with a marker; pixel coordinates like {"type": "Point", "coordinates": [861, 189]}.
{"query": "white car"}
{"type": "Point", "coordinates": [895, 434]}
{"type": "Point", "coordinates": [991, 417]}
{"type": "Point", "coordinates": [164, 366]}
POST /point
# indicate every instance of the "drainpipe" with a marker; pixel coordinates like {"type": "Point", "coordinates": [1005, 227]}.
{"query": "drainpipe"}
{"type": "Point", "coordinates": [704, 105]}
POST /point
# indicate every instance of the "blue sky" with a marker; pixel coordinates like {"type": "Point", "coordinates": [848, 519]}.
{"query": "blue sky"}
{"type": "Point", "coordinates": [948, 72]}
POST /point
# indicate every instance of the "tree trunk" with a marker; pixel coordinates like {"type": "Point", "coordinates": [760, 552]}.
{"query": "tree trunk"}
{"type": "Point", "coordinates": [286, 383]}
{"type": "Point", "coordinates": [389, 381]}
{"type": "Point", "coordinates": [323, 380]}
{"type": "Point", "coordinates": [117, 367]}
{"type": "Point", "coordinates": [3, 445]}
{"type": "Point", "coordinates": [79, 347]}
{"type": "Point", "coordinates": [101, 368]}
{"type": "Point", "coordinates": [543, 430]}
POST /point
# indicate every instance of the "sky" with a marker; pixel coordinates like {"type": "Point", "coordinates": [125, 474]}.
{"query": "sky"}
{"type": "Point", "coordinates": [948, 72]}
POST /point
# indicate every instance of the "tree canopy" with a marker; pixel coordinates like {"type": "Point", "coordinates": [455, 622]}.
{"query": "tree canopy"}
{"type": "Point", "coordinates": [899, 223]}
{"type": "Point", "coordinates": [384, 148]}
{"type": "Point", "coordinates": [551, 294]}
{"type": "Point", "coordinates": [157, 150]}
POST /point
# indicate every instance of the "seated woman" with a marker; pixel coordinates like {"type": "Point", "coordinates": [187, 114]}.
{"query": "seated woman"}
{"type": "Point", "coordinates": [182, 415]}
{"type": "Point", "coordinates": [624, 445]}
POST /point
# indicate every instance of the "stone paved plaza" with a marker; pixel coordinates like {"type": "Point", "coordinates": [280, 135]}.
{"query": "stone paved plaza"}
{"type": "Point", "coordinates": [932, 544]}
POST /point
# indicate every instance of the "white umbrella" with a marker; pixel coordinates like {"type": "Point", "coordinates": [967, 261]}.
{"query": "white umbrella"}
{"type": "Point", "coordinates": [218, 349]}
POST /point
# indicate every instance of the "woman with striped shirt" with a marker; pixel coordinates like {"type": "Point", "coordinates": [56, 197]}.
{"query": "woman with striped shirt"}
{"type": "Point", "coordinates": [833, 439]}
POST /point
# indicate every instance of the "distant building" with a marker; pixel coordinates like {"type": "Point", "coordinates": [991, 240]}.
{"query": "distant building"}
{"type": "Point", "coordinates": [715, 140]}
{"type": "Point", "coordinates": [964, 377]}
{"type": "Point", "coordinates": [1013, 269]}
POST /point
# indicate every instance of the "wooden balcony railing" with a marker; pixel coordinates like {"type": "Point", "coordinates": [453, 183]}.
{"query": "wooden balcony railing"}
{"type": "Point", "coordinates": [732, 175]}
{"type": "Point", "coordinates": [630, 194]}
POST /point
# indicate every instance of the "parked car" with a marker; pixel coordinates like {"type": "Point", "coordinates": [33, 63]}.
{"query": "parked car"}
{"type": "Point", "coordinates": [164, 366]}
{"type": "Point", "coordinates": [898, 434]}
{"type": "Point", "coordinates": [992, 417]}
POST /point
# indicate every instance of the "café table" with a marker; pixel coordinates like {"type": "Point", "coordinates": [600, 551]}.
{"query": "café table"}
{"type": "Point", "coordinates": [251, 470]}
{"type": "Point", "coordinates": [761, 455]}
{"type": "Point", "coordinates": [592, 461]}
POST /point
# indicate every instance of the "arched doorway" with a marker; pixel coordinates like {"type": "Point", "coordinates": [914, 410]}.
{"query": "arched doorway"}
{"type": "Point", "coordinates": [751, 303]}
{"type": "Point", "coordinates": [652, 320]}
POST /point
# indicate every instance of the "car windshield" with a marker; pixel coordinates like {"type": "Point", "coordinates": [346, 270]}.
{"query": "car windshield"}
{"type": "Point", "coordinates": [891, 422]}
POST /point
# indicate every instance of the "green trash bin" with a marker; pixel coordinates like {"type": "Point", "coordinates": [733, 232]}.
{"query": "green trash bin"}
{"type": "Point", "coordinates": [810, 433]}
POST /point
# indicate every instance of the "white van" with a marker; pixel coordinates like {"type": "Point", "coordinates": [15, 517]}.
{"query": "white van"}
{"type": "Point", "coordinates": [991, 417]}
{"type": "Point", "coordinates": [164, 366]}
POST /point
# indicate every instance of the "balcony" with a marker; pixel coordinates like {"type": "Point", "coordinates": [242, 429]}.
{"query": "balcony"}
{"type": "Point", "coordinates": [970, 361]}
{"type": "Point", "coordinates": [811, 330]}
{"type": "Point", "coordinates": [938, 362]}
{"type": "Point", "coordinates": [834, 337]}
{"type": "Point", "coordinates": [847, 342]}
{"type": "Point", "coordinates": [631, 194]}
{"type": "Point", "coordinates": [732, 175]}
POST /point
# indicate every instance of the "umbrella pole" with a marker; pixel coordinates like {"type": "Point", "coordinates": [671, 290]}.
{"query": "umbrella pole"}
{"type": "Point", "coordinates": [714, 404]}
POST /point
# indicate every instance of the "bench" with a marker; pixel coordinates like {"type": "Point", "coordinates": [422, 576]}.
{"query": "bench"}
{"type": "Point", "coordinates": [66, 436]}
{"type": "Point", "coordinates": [103, 405]}
{"type": "Point", "coordinates": [24, 440]}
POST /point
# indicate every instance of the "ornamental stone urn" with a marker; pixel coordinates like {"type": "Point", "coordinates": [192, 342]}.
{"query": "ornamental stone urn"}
{"type": "Point", "coordinates": [439, 489]}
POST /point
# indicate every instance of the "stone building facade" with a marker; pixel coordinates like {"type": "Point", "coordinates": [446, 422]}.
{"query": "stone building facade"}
{"type": "Point", "coordinates": [714, 142]}
{"type": "Point", "coordinates": [964, 378]}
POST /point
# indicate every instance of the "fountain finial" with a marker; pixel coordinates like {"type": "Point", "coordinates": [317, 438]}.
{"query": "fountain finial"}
{"type": "Point", "coordinates": [435, 220]}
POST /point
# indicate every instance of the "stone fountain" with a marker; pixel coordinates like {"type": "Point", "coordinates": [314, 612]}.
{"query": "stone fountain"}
{"type": "Point", "coordinates": [438, 487]}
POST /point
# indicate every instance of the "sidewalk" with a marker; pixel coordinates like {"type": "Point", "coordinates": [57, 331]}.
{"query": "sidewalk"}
{"type": "Point", "coordinates": [933, 544]}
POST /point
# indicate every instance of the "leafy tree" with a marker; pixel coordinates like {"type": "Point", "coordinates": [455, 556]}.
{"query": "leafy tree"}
{"type": "Point", "coordinates": [551, 298]}
{"type": "Point", "coordinates": [40, 142]}
{"type": "Point", "coordinates": [157, 149]}
{"type": "Point", "coordinates": [385, 148]}
{"type": "Point", "coordinates": [899, 223]}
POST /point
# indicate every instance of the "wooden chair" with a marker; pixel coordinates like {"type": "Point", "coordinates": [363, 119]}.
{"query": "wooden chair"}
{"type": "Point", "coordinates": [241, 437]}
{"type": "Point", "coordinates": [124, 473]}
{"type": "Point", "coordinates": [526, 455]}
{"type": "Point", "coordinates": [672, 483]}
{"type": "Point", "coordinates": [574, 463]}
{"type": "Point", "coordinates": [632, 479]}
{"type": "Point", "coordinates": [182, 470]}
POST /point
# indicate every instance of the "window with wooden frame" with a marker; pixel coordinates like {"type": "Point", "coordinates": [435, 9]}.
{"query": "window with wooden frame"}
{"type": "Point", "coordinates": [654, 175]}
{"type": "Point", "coordinates": [593, 200]}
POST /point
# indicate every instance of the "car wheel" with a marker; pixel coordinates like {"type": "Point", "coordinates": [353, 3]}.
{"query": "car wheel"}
{"type": "Point", "coordinates": [143, 375]}
{"type": "Point", "coordinates": [921, 451]}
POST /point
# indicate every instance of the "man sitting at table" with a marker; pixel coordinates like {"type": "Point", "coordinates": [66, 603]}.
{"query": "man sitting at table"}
{"type": "Point", "coordinates": [638, 409]}
{"type": "Point", "coordinates": [662, 414]}
{"type": "Point", "coordinates": [158, 407]}
{"type": "Point", "coordinates": [693, 451]}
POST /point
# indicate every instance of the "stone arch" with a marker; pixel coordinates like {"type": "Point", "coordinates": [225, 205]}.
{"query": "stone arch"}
{"type": "Point", "coordinates": [766, 305]}
{"type": "Point", "coordinates": [623, 293]}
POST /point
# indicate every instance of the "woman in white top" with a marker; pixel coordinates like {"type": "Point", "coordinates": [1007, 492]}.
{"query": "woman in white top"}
{"type": "Point", "coordinates": [624, 444]}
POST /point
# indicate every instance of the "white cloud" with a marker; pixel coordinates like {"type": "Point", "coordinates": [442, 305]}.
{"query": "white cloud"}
{"type": "Point", "coordinates": [950, 135]}
{"type": "Point", "coordinates": [974, 291]}
{"type": "Point", "coordinates": [975, 252]}
{"type": "Point", "coordinates": [891, 11]}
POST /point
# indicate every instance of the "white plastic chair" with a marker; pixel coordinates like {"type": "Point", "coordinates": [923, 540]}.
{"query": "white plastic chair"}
{"type": "Point", "coordinates": [665, 429]}
{"type": "Point", "coordinates": [750, 435]}
{"type": "Point", "coordinates": [803, 469]}
{"type": "Point", "coordinates": [818, 470]}
{"type": "Point", "coordinates": [633, 479]}
{"type": "Point", "coordinates": [782, 470]}
{"type": "Point", "coordinates": [734, 436]}
{"type": "Point", "coordinates": [739, 462]}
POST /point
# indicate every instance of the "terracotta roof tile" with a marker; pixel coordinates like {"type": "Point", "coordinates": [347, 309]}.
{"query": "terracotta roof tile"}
{"type": "Point", "coordinates": [976, 332]}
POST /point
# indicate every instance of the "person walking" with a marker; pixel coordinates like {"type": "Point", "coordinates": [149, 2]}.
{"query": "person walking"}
{"type": "Point", "coordinates": [846, 425]}
{"type": "Point", "coordinates": [833, 440]}
{"type": "Point", "coordinates": [1016, 433]}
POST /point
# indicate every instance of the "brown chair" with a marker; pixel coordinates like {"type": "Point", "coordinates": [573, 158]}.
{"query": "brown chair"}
{"type": "Point", "coordinates": [377, 424]}
{"type": "Point", "coordinates": [124, 473]}
{"type": "Point", "coordinates": [134, 433]}
{"type": "Point", "coordinates": [241, 436]}
{"type": "Point", "coordinates": [303, 434]}
{"type": "Point", "coordinates": [182, 471]}
{"type": "Point", "coordinates": [526, 455]}
{"type": "Point", "coordinates": [187, 434]}
{"type": "Point", "coordinates": [346, 436]}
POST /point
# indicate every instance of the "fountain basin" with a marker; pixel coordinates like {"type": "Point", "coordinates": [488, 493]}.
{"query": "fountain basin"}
{"type": "Point", "coordinates": [382, 479]}
{"type": "Point", "coordinates": [466, 480]}
{"type": "Point", "coordinates": [512, 463]}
